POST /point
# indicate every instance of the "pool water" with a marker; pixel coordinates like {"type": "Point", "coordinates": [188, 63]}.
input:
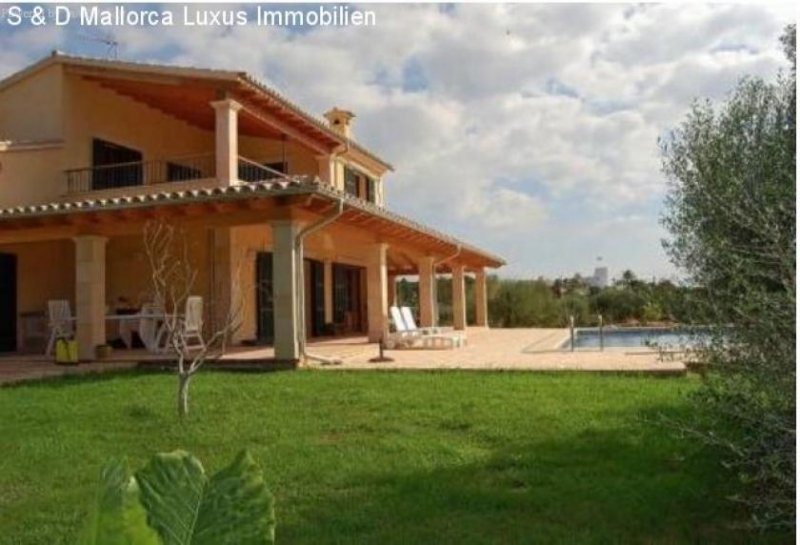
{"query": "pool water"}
{"type": "Point", "coordinates": [635, 337]}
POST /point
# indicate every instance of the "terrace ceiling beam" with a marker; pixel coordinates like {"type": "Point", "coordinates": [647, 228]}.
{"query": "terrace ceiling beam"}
{"type": "Point", "coordinates": [270, 119]}
{"type": "Point", "coordinates": [103, 74]}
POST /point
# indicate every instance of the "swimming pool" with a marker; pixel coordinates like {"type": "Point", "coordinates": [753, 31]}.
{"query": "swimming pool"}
{"type": "Point", "coordinates": [636, 337]}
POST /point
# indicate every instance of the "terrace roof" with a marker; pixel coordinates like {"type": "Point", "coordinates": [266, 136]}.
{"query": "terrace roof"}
{"type": "Point", "coordinates": [317, 198]}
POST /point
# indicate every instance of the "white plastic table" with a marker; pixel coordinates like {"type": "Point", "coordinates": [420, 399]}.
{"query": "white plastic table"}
{"type": "Point", "coordinates": [128, 323]}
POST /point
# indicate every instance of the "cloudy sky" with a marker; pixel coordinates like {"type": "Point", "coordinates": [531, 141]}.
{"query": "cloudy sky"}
{"type": "Point", "coordinates": [530, 130]}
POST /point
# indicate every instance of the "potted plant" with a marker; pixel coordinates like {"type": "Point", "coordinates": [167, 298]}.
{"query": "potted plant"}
{"type": "Point", "coordinates": [102, 351]}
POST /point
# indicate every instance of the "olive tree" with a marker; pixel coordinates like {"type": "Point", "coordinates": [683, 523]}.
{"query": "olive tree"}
{"type": "Point", "coordinates": [173, 276]}
{"type": "Point", "coordinates": [730, 212]}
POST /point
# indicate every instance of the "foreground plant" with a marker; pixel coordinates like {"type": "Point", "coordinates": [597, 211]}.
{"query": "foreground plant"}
{"type": "Point", "coordinates": [731, 213]}
{"type": "Point", "coordinates": [171, 501]}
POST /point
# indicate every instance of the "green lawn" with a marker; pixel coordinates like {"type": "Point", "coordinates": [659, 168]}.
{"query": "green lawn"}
{"type": "Point", "coordinates": [384, 458]}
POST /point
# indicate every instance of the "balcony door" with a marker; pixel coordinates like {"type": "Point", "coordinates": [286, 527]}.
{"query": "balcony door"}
{"type": "Point", "coordinates": [8, 302]}
{"type": "Point", "coordinates": [115, 165]}
{"type": "Point", "coordinates": [265, 306]}
{"type": "Point", "coordinates": [315, 298]}
{"type": "Point", "coordinates": [349, 312]}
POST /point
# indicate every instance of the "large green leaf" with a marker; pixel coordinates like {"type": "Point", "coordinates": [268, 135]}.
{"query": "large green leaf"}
{"type": "Point", "coordinates": [234, 507]}
{"type": "Point", "coordinates": [117, 517]}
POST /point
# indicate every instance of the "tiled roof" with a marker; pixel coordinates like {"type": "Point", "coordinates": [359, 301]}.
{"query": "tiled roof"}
{"type": "Point", "coordinates": [192, 71]}
{"type": "Point", "coordinates": [285, 186]}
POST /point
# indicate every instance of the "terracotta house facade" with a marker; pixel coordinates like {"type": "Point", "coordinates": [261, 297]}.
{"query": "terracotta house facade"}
{"type": "Point", "coordinates": [91, 150]}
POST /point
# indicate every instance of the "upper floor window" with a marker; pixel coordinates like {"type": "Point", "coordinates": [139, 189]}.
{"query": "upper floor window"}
{"type": "Point", "coordinates": [115, 165]}
{"type": "Point", "coordinates": [360, 185]}
{"type": "Point", "coordinates": [350, 182]}
{"type": "Point", "coordinates": [371, 187]}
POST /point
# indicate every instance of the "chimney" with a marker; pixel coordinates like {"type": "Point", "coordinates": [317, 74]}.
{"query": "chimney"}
{"type": "Point", "coordinates": [339, 120]}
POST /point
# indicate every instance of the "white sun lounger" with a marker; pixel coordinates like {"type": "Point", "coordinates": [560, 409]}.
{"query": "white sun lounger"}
{"type": "Point", "coordinates": [406, 337]}
{"type": "Point", "coordinates": [411, 325]}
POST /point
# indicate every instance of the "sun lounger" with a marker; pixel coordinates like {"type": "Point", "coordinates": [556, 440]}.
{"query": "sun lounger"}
{"type": "Point", "coordinates": [406, 337]}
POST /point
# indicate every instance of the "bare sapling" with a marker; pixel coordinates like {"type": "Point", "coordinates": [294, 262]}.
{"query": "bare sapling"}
{"type": "Point", "coordinates": [173, 278]}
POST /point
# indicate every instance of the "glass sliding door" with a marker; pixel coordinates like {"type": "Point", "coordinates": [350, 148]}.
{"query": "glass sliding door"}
{"type": "Point", "coordinates": [265, 308]}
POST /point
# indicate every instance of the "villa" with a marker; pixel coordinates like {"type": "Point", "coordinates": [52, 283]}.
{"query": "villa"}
{"type": "Point", "coordinates": [91, 150]}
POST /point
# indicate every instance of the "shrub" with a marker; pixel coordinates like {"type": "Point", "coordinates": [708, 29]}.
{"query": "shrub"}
{"type": "Point", "coordinates": [731, 214]}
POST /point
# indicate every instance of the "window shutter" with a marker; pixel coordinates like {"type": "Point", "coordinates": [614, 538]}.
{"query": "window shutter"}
{"type": "Point", "coordinates": [350, 182]}
{"type": "Point", "coordinates": [371, 190]}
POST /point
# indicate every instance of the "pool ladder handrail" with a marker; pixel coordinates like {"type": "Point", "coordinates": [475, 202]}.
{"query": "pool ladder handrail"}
{"type": "Point", "coordinates": [572, 332]}
{"type": "Point", "coordinates": [600, 326]}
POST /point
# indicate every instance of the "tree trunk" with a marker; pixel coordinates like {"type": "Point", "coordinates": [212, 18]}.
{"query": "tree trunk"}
{"type": "Point", "coordinates": [183, 394]}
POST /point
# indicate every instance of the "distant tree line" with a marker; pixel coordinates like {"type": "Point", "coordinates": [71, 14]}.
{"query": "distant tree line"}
{"type": "Point", "coordinates": [550, 303]}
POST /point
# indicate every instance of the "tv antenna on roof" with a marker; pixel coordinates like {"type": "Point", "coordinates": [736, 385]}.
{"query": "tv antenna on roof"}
{"type": "Point", "coordinates": [108, 39]}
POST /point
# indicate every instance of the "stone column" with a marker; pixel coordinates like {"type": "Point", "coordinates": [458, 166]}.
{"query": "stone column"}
{"type": "Point", "coordinates": [377, 293]}
{"type": "Point", "coordinates": [481, 309]}
{"type": "Point", "coordinates": [90, 294]}
{"type": "Point", "coordinates": [227, 294]}
{"type": "Point", "coordinates": [328, 290]}
{"type": "Point", "coordinates": [284, 289]}
{"type": "Point", "coordinates": [459, 298]}
{"type": "Point", "coordinates": [427, 306]}
{"type": "Point", "coordinates": [227, 140]}
{"type": "Point", "coordinates": [392, 290]}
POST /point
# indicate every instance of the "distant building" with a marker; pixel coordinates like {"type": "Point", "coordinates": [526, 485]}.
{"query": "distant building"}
{"type": "Point", "coordinates": [599, 278]}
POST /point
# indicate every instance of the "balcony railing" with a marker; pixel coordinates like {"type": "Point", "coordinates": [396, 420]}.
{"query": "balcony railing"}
{"type": "Point", "coordinates": [253, 171]}
{"type": "Point", "coordinates": [178, 169]}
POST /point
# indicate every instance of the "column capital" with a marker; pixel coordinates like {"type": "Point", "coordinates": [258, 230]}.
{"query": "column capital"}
{"type": "Point", "coordinates": [90, 238]}
{"type": "Point", "coordinates": [286, 222]}
{"type": "Point", "coordinates": [226, 104]}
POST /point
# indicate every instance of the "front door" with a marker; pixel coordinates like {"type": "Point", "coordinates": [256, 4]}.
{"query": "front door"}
{"type": "Point", "coordinates": [317, 300]}
{"type": "Point", "coordinates": [8, 302]}
{"type": "Point", "coordinates": [348, 308]}
{"type": "Point", "coordinates": [265, 308]}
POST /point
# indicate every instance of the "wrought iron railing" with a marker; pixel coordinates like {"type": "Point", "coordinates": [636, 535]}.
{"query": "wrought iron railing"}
{"type": "Point", "coordinates": [177, 169]}
{"type": "Point", "coordinates": [253, 171]}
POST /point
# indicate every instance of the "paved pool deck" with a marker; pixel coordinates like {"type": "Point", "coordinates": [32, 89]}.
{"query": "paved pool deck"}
{"type": "Point", "coordinates": [486, 349]}
{"type": "Point", "coordinates": [505, 349]}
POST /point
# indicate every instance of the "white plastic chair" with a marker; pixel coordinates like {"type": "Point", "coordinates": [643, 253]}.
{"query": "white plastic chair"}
{"type": "Point", "coordinates": [60, 321]}
{"type": "Point", "coordinates": [193, 323]}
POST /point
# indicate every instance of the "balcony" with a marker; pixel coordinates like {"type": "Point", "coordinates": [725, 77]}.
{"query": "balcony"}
{"type": "Point", "coordinates": [161, 171]}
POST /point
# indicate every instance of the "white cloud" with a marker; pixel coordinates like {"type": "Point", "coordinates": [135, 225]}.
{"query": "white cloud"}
{"type": "Point", "coordinates": [530, 129]}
